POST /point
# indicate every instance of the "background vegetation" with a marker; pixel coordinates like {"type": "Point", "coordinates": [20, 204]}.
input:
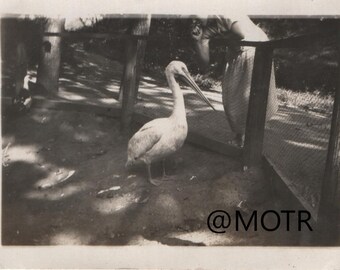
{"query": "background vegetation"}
{"type": "Point", "coordinates": [308, 69]}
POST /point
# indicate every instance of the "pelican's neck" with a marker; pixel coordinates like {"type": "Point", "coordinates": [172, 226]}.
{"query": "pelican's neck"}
{"type": "Point", "coordinates": [178, 111]}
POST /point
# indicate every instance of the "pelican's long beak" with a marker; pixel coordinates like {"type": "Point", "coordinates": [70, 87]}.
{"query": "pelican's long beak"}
{"type": "Point", "coordinates": [190, 81]}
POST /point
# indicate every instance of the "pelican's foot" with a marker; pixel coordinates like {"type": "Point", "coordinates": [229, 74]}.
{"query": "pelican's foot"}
{"type": "Point", "coordinates": [155, 182]}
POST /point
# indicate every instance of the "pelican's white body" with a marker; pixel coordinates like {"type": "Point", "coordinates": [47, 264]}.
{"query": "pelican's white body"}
{"type": "Point", "coordinates": [156, 140]}
{"type": "Point", "coordinates": [161, 137]}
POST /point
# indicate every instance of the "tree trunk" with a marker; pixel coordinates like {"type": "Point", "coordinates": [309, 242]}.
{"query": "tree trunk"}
{"type": "Point", "coordinates": [49, 66]}
{"type": "Point", "coordinates": [20, 67]}
{"type": "Point", "coordinates": [141, 27]}
{"type": "Point", "coordinates": [135, 50]}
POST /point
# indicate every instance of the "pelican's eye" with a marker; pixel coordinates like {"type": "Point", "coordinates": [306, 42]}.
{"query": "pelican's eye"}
{"type": "Point", "coordinates": [185, 71]}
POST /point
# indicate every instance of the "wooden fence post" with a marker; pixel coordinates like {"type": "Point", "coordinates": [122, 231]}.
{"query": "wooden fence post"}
{"type": "Point", "coordinates": [328, 214]}
{"type": "Point", "coordinates": [135, 50]}
{"type": "Point", "coordinates": [49, 64]}
{"type": "Point", "coordinates": [257, 108]}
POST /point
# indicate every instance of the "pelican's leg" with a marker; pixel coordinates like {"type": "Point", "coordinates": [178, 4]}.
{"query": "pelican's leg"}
{"type": "Point", "coordinates": [154, 182]}
{"type": "Point", "coordinates": [165, 176]}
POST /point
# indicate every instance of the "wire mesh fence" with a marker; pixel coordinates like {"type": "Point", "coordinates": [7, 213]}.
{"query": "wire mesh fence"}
{"type": "Point", "coordinates": [296, 138]}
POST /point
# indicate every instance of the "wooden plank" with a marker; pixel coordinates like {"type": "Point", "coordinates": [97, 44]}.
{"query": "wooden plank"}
{"type": "Point", "coordinates": [132, 71]}
{"type": "Point", "coordinates": [327, 210]}
{"type": "Point", "coordinates": [84, 35]}
{"type": "Point", "coordinates": [290, 42]}
{"type": "Point", "coordinates": [257, 106]}
{"type": "Point", "coordinates": [304, 40]}
{"type": "Point", "coordinates": [295, 42]}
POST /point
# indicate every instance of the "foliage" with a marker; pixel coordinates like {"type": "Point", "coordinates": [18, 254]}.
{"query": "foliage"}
{"type": "Point", "coordinates": [308, 101]}
{"type": "Point", "coordinates": [307, 69]}
{"type": "Point", "coordinates": [27, 30]}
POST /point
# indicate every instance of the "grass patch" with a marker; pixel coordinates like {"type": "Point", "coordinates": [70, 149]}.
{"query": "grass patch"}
{"type": "Point", "coordinates": [309, 101]}
{"type": "Point", "coordinates": [207, 83]}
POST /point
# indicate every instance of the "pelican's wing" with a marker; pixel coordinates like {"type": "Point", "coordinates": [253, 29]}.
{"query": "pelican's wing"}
{"type": "Point", "coordinates": [145, 138]}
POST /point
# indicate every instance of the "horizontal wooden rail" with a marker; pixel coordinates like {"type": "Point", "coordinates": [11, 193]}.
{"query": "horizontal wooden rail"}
{"type": "Point", "coordinates": [290, 42]}
{"type": "Point", "coordinates": [88, 35]}
{"type": "Point", "coordinates": [303, 40]}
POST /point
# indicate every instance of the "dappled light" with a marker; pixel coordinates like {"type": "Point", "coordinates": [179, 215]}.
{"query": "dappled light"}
{"type": "Point", "coordinates": [107, 101]}
{"type": "Point", "coordinates": [55, 194]}
{"type": "Point", "coordinates": [41, 118]}
{"type": "Point", "coordinates": [70, 96]}
{"type": "Point", "coordinates": [70, 238]}
{"type": "Point", "coordinates": [116, 204]}
{"type": "Point", "coordinates": [23, 153]}
{"type": "Point", "coordinates": [113, 86]}
{"type": "Point", "coordinates": [55, 177]}
{"type": "Point", "coordinates": [202, 237]}
{"type": "Point", "coordinates": [82, 137]}
{"type": "Point", "coordinates": [140, 240]}
{"type": "Point", "coordinates": [306, 145]}
{"type": "Point", "coordinates": [64, 80]}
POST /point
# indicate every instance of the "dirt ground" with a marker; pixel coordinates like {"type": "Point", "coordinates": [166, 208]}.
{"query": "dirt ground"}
{"type": "Point", "coordinates": [64, 182]}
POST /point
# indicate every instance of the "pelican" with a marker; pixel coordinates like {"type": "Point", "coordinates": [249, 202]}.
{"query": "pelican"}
{"type": "Point", "coordinates": [161, 137]}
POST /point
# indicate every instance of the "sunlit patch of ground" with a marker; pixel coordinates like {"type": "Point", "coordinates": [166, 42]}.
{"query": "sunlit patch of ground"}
{"type": "Point", "coordinates": [70, 238]}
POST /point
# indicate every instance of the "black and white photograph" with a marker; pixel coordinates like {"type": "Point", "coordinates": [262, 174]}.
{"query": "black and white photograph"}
{"type": "Point", "coordinates": [170, 130]}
